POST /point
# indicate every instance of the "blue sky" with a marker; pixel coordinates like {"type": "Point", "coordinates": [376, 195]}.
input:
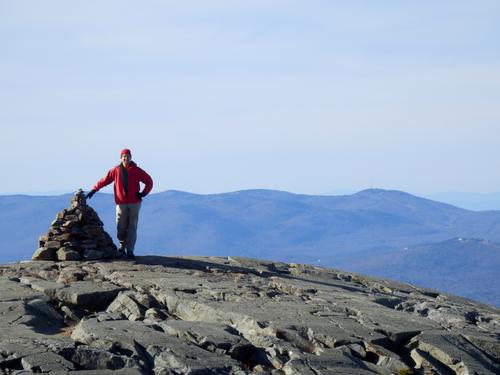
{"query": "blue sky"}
{"type": "Point", "coordinates": [215, 96]}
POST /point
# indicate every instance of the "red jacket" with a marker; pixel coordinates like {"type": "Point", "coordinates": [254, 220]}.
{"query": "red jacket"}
{"type": "Point", "coordinates": [134, 176]}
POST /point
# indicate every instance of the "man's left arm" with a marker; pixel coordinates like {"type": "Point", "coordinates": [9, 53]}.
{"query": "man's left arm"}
{"type": "Point", "coordinates": [147, 181]}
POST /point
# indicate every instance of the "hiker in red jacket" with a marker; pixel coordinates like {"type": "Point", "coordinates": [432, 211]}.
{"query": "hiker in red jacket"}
{"type": "Point", "coordinates": [128, 197]}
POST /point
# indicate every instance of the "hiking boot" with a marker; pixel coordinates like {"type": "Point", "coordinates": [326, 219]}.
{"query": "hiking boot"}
{"type": "Point", "coordinates": [121, 251]}
{"type": "Point", "coordinates": [130, 256]}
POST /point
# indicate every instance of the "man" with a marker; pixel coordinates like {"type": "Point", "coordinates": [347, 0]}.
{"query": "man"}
{"type": "Point", "coordinates": [126, 176]}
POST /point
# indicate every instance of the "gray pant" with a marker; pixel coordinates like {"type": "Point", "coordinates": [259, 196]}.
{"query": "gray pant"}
{"type": "Point", "coordinates": [127, 216]}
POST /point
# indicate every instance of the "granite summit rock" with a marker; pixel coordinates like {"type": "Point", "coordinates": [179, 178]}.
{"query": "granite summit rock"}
{"type": "Point", "coordinates": [213, 315]}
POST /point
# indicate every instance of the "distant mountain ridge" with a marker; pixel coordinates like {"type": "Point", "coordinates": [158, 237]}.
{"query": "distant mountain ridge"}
{"type": "Point", "coordinates": [268, 224]}
{"type": "Point", "coordinates": [282, 223]}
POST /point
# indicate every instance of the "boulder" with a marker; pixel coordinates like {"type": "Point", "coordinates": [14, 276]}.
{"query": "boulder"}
{"type": "Point", "coordinates": [68, 254]}
{"type": "Point", "coordinates": [45, 253]}
{"type": "Point", "coordinates": [46, 362]}
{"type": "Point", "coordinates": [127, 306]}
{"type": "Point", "coordinates": [88, 295]}
{"type": "Point", "coordinates": [438, 350]}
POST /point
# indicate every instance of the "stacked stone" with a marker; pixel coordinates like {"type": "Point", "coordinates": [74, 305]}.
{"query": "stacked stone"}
{"type": "Point", "coordinates": [77, 233]}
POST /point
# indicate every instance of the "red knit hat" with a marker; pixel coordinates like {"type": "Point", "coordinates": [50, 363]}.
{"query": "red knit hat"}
{"type": "Point", "coordinates": [125, 151]}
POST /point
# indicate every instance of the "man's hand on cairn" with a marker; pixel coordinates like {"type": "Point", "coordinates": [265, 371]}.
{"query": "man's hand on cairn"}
{"type": "Point", "coordinates": [90, 194]}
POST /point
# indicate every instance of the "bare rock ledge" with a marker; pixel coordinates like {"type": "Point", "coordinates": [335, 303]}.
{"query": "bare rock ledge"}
{"type": "Point", "coordinates": [214, 315]}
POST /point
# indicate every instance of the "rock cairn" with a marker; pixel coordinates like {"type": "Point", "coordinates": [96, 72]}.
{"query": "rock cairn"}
{"type": "Point", "coordinates": [77, 233]}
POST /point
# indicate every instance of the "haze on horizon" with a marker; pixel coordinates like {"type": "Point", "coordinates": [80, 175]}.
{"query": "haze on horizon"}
{"type": "Point", "coordinates": [308, 97]}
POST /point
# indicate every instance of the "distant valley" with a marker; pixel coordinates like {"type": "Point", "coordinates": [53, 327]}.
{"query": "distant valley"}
{"type": "Point", "coordinates": [463, 266]}
{"type": "Point", "coordinates": [470, 201]}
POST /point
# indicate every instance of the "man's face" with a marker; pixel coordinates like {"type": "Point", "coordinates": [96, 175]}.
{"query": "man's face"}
{"type": "Point", "coordinates": [125, 158]}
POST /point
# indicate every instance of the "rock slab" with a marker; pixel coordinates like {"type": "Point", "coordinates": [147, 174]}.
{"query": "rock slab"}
{"type": "Point", "coordinates": [228, 315]}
